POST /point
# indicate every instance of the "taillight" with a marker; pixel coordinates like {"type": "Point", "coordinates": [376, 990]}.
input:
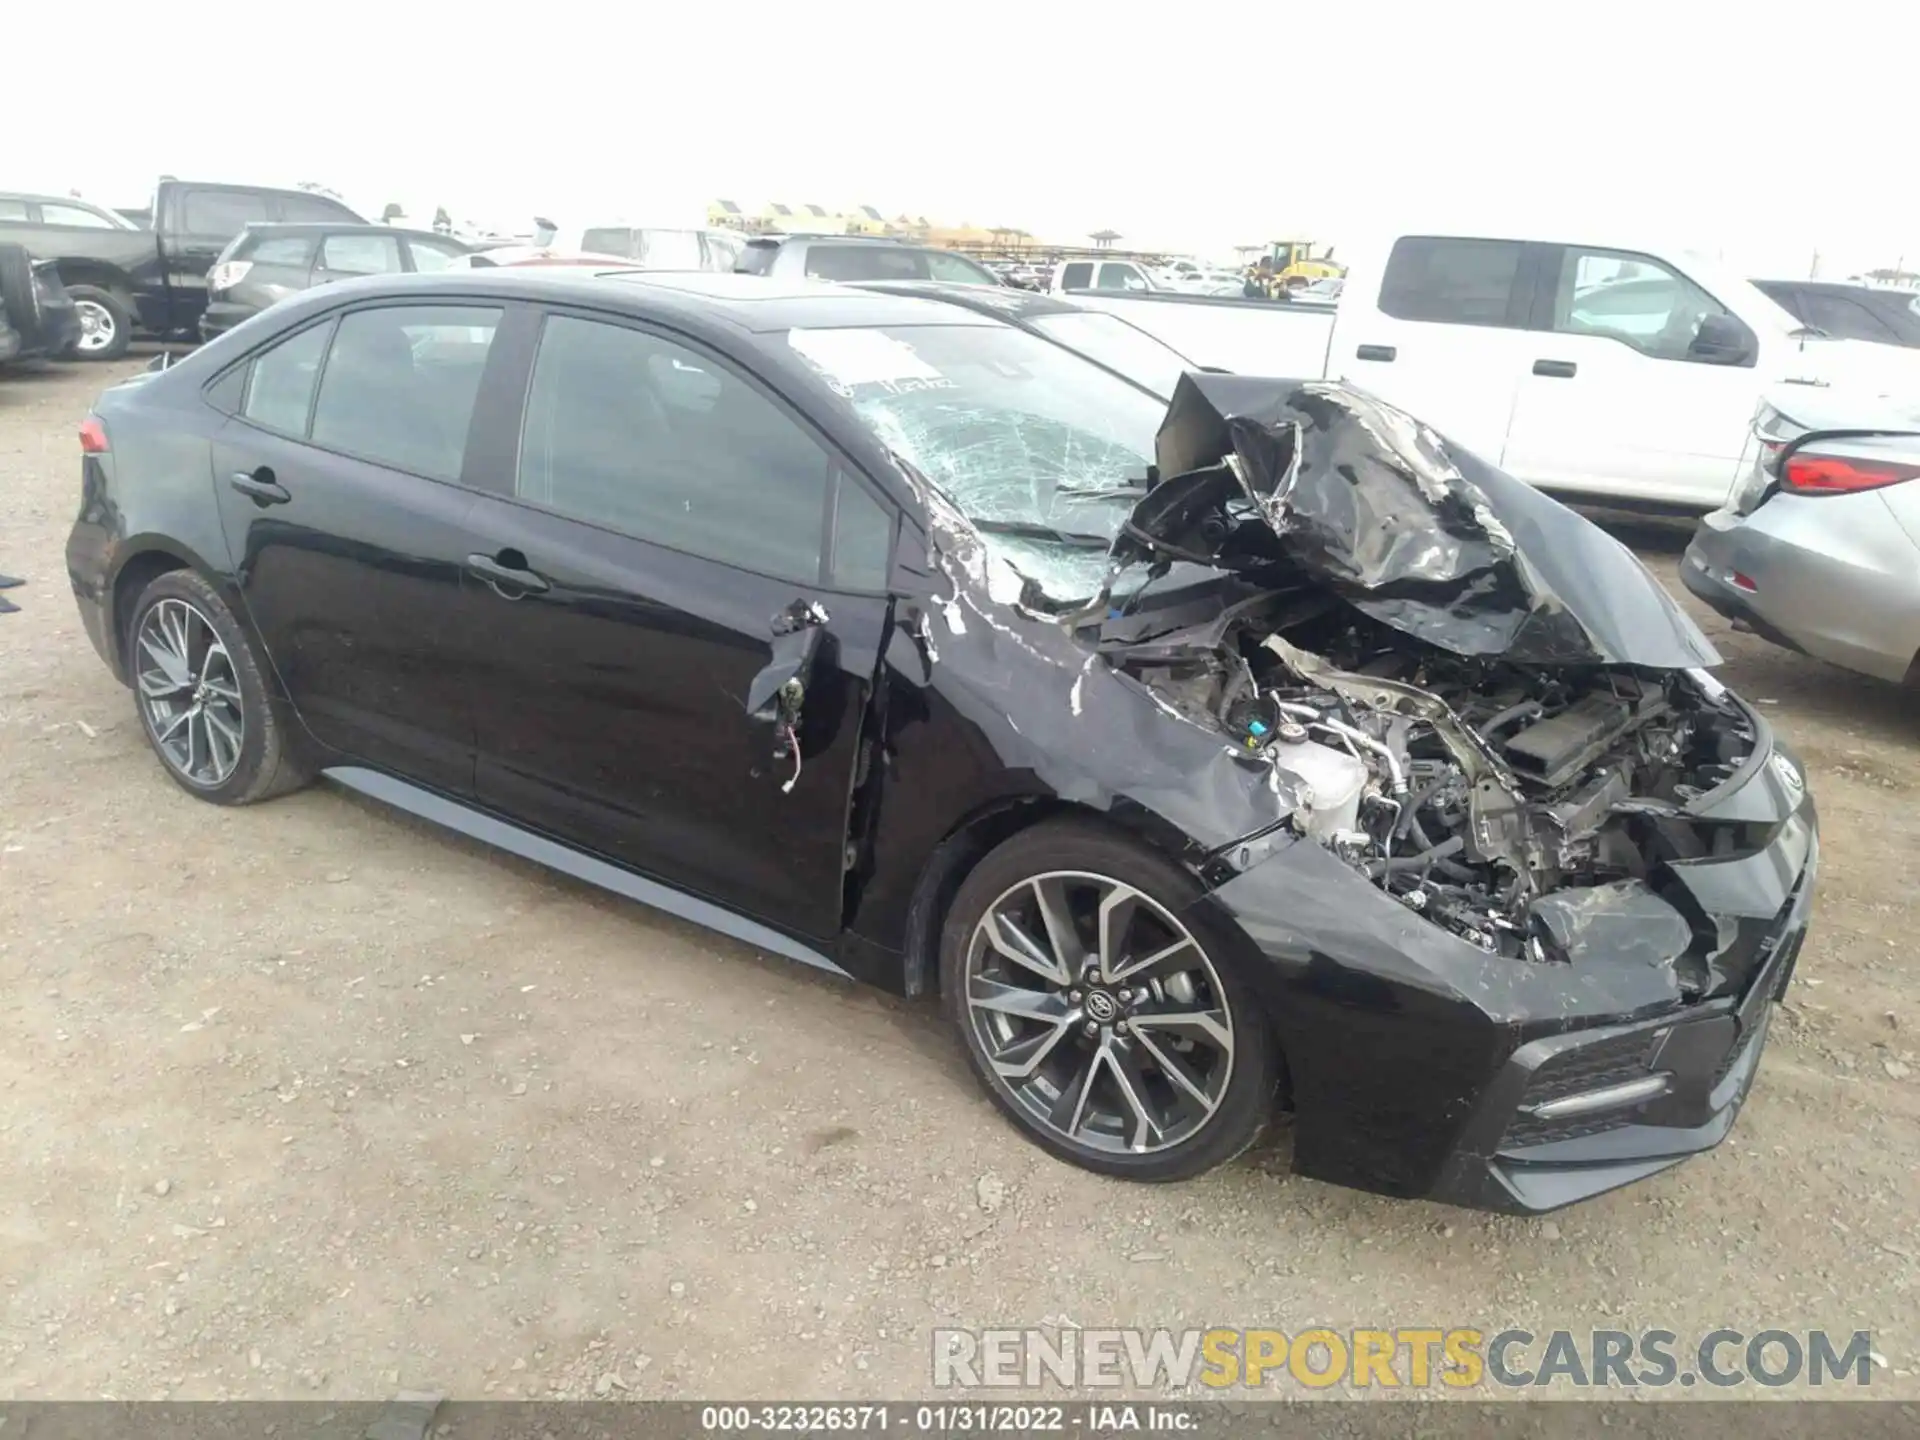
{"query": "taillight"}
{"type": "Point", "coordinates": [227, 274]}
{"type": "Point", "coordinates": [93, 436]}
{"type": "Point", "coordinates": [1812, 474]}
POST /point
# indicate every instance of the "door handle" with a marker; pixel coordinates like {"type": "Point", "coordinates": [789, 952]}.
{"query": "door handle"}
{"type": "Point", "coordinates": [1376, 352]}
{"type": "Point", "coordinates": [1558, 369]}
{"type": "Point", "coordinates": [261, 485]}
{"type": "Point", "coordinates": [508, 569]}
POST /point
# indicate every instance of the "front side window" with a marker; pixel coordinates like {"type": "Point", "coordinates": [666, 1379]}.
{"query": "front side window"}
{"type": "Point", "coordinates": [957, 270]}
{"type": "Point", "coordinates": [1451, 282]}
{"type": "Point", "coordinates": [313, 209]}
{"type": "Point", "coordinates": [632, 432]}
{"type": "Point", "coordinates": [222, 212]}
{"type": "Point", "coordinates": [74, 215]}
{"type": "Point", "coordinates": [361, 254]}
{"type": "Point", "coordinates": [1632, 299]}
{"type": "Point", "coordinates": [400, 385]}
{"type": "Point", "coordinates": [280, 382]}
{"type": "Point", "coordinates": [1120, 277]}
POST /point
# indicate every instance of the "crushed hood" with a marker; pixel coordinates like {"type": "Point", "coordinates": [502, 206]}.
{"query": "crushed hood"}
{"type": "Point", "coordinates": [1412, 530]}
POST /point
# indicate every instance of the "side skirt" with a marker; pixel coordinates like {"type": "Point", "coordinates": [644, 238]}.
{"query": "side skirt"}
{"type": "Point", "coordinates": [512, 838]}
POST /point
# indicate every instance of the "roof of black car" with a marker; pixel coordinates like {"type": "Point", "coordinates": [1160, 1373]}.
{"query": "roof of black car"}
{"type": "Point", "coordinates": [1005, 302]}
{"type": "Point", "coordinates": [755, 303]}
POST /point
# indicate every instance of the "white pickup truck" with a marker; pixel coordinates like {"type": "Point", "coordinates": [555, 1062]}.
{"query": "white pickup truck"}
{"type": "Point", "coordinates": [1600, 370]}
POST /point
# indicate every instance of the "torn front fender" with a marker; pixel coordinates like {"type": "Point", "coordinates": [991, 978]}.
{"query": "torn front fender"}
{"type": "Point", "coordinates": [1401, 523]}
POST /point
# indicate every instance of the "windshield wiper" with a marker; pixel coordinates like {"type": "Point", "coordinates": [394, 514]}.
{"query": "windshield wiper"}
{"type": "Point", "coordinates": [1022, 530]}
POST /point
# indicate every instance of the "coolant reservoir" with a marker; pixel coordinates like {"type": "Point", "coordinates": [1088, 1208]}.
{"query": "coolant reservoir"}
{"type": "Point", "coordinates": [1334, 780]}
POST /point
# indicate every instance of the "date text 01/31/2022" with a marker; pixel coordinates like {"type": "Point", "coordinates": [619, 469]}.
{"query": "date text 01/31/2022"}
{"type": "Point", "coordinates": [946, 1419]}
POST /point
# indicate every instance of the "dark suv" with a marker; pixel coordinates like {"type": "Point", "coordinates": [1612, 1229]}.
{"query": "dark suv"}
{"type": "Point", "coordinates": [857, 258]}
{"type": "Point", "coordinates": [265, 263]}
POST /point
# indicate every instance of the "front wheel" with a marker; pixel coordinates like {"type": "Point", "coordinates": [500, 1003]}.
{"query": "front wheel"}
{"type": "Point", "coordinates": [106, 329]}
{"type": "Point", "coordinates": [1103, 1015]}
{"type": "Point", "coordinates": [203, 697]}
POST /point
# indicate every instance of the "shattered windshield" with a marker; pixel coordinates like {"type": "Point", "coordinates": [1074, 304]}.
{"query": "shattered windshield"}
{"type": "Point", "coordinates": [1121, 347]}
{"type": "Point", "coordinates": [1043, 451]}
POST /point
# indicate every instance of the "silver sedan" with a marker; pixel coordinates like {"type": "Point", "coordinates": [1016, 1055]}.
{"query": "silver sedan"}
{"type": "Point", "coordinates": [1819, 547]}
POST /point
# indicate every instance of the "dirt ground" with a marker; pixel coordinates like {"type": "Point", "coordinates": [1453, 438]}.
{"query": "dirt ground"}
{"type": "Point", "coordinates": [312, 1100]}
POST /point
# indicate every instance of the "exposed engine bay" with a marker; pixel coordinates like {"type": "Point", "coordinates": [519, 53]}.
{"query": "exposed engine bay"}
{"type": "Point", "coordinates": [1466, 788]}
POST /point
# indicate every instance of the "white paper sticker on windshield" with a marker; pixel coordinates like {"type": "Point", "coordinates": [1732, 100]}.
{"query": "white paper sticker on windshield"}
{"type": "Point", "coordinates": [860, 357]}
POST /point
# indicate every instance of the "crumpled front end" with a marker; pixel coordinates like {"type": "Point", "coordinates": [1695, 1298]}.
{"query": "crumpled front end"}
{"type": "Point", "coordinates": [1545, 872]}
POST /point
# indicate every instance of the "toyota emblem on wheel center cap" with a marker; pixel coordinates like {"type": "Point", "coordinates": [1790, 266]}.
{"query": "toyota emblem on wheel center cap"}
{"type": "Point", "coordinates": [1101, 1006]}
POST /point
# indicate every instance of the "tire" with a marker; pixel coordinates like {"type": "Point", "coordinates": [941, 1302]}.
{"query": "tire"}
{"type": "Point", "coordinates": [106, 329]}
{"type": "Point", "coordinates": [17, 298]}
{"type": "Point", "coordinates": [1028, 1043]}
{"type": "Point", "coordinates": [205, 698]}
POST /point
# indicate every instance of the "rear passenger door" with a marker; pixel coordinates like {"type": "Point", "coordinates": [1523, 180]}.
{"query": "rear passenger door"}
{"type": "Point", "coordinates": [344, 480]}
{"type": "Point", "coordinates": [666, 507]}
{"type": "Point", "coordinates": [1443, 337]}
{"type": "Point", "coordinates": [204, 220]}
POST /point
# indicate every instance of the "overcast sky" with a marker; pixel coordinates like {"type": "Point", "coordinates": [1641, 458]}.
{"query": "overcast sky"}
{"type": "Point", "coordinates": [1763, 133]}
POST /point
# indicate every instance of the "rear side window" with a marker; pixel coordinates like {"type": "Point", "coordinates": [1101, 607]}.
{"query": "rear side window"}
{"type": "Point", "coordinates": [14, 210]}
{"type": "Point", "coordinates": [52, 214]}
{"type": "Point", "coordinates": [361, 254]}
{"type": "Point", "coordinates": [1453, 282]}
{"type": "Point", "coordinates": [400, 385]}
{"type": "Point", "coordinates": [222, 212]}
{"type": "Point", "coordinates": [280, 382]}
{"type": "Point", "coordinates": [1846, 318]}
{"type": "Point", "coordinates": [294, 250]}
{"type": "Point", "coordinates": [865, 262]}
{"type": "Point", "coordinates": [614, 241]}
{"type": "Point", "coordinates": [1077, 276]}
{"type": "Point", "coordinates": [630, 431]}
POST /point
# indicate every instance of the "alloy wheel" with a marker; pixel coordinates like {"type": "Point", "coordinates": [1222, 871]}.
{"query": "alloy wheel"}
{"type": "Point", "coordinates": [1099, 1013]}
{"type": "Point", "coordinates": [96, 326]}
{"type": "Point", "coordinates": [189, 693]}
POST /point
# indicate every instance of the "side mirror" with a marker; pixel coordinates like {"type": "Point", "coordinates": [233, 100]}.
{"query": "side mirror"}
{"type": "Point", "coordinates": [1723, 340]}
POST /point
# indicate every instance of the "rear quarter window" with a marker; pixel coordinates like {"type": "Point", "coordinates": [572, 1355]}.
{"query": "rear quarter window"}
{"type": "Point", "coordinates": [294, 250]}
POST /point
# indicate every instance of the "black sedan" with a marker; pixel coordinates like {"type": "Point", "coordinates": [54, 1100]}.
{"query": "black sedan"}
{"type": "Point", "coordinates": [1257, 749]}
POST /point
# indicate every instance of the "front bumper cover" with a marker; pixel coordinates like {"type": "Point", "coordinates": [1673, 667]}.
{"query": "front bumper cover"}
{"type": "Point", "coordinates": [1419, 1065]}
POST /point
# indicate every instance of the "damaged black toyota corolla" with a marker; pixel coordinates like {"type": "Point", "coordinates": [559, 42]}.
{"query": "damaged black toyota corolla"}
{"type": "Point", "coordinates": [1259, 750]}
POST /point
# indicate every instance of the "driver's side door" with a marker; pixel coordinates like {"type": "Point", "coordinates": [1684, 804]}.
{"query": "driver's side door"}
{"type": "Point", "coordinates": [1611, 401]}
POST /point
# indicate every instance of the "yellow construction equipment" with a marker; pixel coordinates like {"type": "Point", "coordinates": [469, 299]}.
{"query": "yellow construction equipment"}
{"type": "Point", "coordinates": [1292, 265]}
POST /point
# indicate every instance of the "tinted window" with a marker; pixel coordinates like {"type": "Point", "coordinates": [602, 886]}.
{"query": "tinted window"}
{"type": "Point", "coordinates": [615, 241]}
{"type": "Point", "coordinates": [73, 215]}
{"type": "Point", "coordinates": [361, 254]}
{"type": "Point", "coordinates": [222, 212]}
{"type": "Point", "coordinates": [958, 270]}
{"type": "Point", "coordinates": [14, 210]}
{"type": "Point", "coordinates": [309, 208]}
{"type": "Point", "coordinates": [400, 384]}
{"type": "Point", "coordinates": [1077, 276]}
{"type": "Point", "coordinates": [431, 255]}
{"type": "Point", "coordinates": [862, 538]}
{"type": "Point", "coordinates": [280, 382]}
{"type": "Point", "coordinates": [630, 431]}
{"type": "Point", "coordinates": [1457, 282]}
{"type": "Point", "coordinates": [1846, 318]}
{"type": "Point", "coordinates": [1632, 299]}
{"type": "Point", "coordinates": [865, 262]}
{"type": "Point", "coordinates": [295, 250]}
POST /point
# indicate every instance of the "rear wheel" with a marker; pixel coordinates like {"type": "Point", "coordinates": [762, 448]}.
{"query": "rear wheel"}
{"type": "Point", "coordinates": [1104, 1016]}
{"type": "Point", "coordinates": [105, 327]}
{"type": "Point", "coordinates": [203, 697]}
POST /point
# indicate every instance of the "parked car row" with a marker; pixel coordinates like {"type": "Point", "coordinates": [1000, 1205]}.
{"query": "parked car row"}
{"type": "Point", "coordinates": [882, 627]}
